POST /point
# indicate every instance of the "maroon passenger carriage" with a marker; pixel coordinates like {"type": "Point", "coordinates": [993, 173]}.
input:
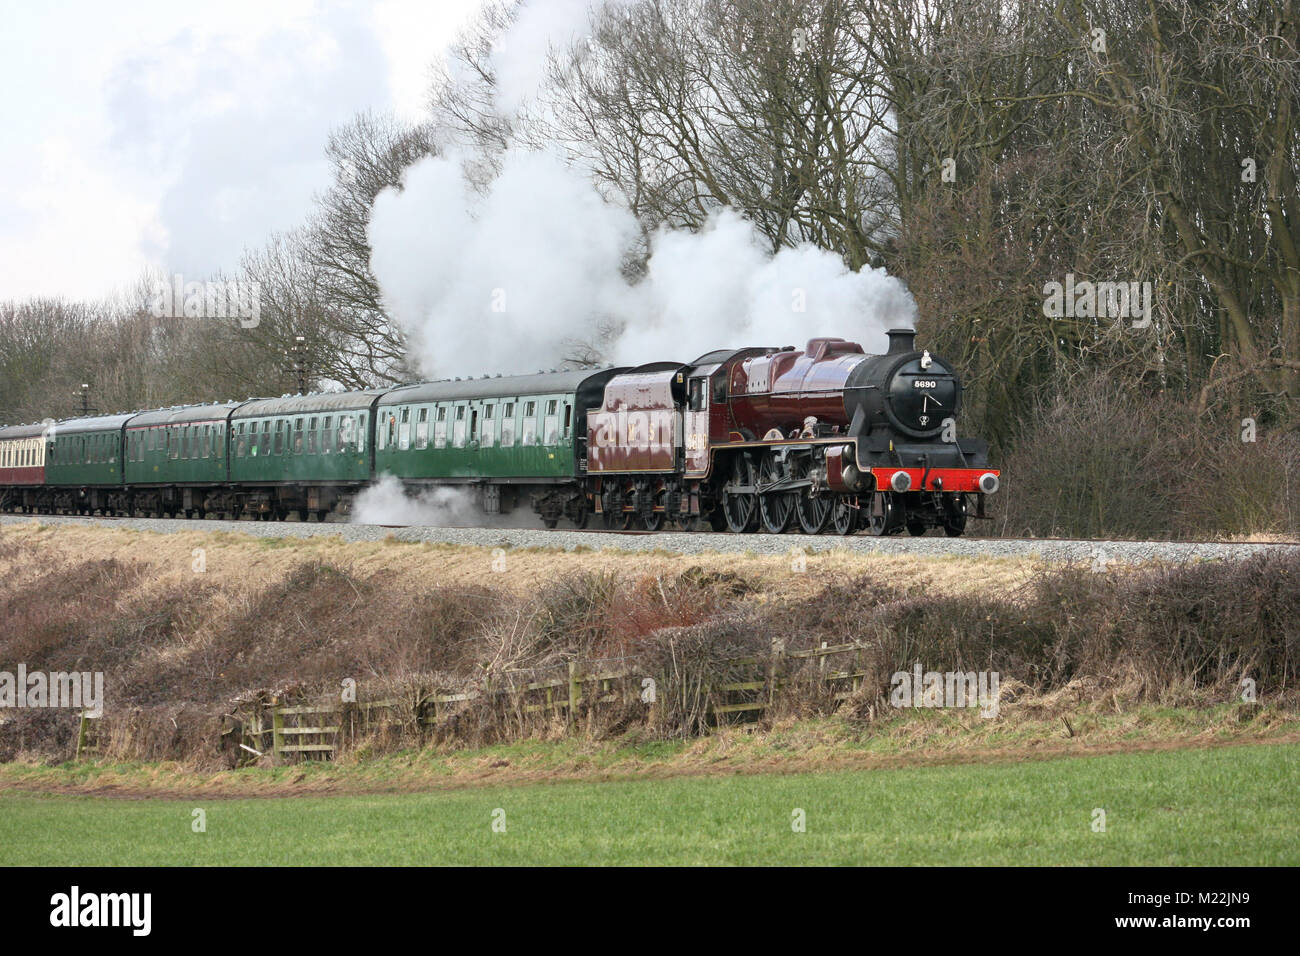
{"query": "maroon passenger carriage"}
{"type": "Point", "coordinates": [829, 438]}
{"type": "Point", "coordinates": [22, 466]}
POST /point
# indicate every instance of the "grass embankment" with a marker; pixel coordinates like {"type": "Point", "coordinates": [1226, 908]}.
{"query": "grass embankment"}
{"type": "Point", "coordinates": [1228, 806]}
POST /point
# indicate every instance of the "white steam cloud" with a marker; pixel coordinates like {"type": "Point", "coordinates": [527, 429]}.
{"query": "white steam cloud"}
{"type": "Point", "coordinates": [502, 281]}
{"type": "Point", "coordinates": [387, 502]}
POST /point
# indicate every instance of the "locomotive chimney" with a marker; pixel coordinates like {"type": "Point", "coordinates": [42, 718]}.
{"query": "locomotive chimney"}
{"type": "Point", "coordinates": [901, 340]}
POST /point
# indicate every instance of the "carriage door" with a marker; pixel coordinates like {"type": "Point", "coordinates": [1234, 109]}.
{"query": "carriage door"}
{"type": "Point", "coordinates": [696, 438]}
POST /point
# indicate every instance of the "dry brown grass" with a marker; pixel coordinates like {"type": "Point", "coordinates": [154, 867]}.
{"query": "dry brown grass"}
{"type": "Point", "coordinates": [240, 563]}
{"type": "Point", "coordinates": [179, 648]}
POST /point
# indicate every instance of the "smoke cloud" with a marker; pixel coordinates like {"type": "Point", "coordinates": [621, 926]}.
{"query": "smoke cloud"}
{"type": "Point", "coordinates": [504, 280]}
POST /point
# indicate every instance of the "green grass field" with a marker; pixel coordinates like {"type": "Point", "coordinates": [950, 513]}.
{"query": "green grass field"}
{"type": "Point", "coordinates": [1233, 805]}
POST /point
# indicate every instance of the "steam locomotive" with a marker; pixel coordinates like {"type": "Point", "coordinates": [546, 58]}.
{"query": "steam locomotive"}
{"type": "Point", "coordinates": [825, 439]}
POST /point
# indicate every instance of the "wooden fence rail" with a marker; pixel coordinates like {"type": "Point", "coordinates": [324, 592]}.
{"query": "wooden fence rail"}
{"type": "Point", "coordinates": [292, 729]}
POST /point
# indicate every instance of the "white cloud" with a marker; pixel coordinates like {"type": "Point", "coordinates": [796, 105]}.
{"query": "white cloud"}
{"type": "Point", "coordinates": [174, 134]}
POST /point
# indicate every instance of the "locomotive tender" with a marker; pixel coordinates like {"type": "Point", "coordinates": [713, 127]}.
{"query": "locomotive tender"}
{"type": "Point", "coordinates": [825, 439]}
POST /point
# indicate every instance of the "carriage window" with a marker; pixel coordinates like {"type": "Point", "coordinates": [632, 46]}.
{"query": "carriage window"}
{"type": "Point", "coordinates": [346, 425]}
{"type": "Point", "coordinates": [568, 419]}
{"type": "Point", "coordinates": [327, 435]}
{"type": "Point", "coordinates": [264, 441]}
{"type": "Point", "coordinates": [528, 427]}
{"type": "Point", "coordinates": [361, 432]}
{"type": "Point", "coordinates": [311, 436]}
{"type": "Point", "coordinates": [508, 425]}
{"type": "Point", "coordinates": [173, 442]}
{"type": "Point", "coordinates": [473, 425]}
{"type": "Point", "coordinates": [239, 440]}
{"type": "Point", "coordinates": [440, 428]}
{"type": "Point", "coordinates": [279, 438]}
{"type": "Point", "coordinates": [404, 432]}
{"type": "Point", "coordinates": [551, 426]}
{"type": "Point", "coordinates": [297, 436]}
{"type": "Point", "coordinates": [458, 430]}
{"type": "Point", "coordinates": [422, 429]}
{"type": "Point", "coordinates": [488, 438]}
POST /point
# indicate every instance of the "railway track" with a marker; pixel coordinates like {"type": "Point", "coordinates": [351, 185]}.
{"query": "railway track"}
{"type": "Point", "coordinates": [1098, 553]}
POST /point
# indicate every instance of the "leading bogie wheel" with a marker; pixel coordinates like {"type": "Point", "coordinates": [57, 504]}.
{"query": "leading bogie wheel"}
{"type": "Point", "coordinates": [878, 515]}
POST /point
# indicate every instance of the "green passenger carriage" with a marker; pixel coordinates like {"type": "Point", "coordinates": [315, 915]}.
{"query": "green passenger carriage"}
{"type": "Point", "coordinates": [83, 464]}
{"type": "Point", "coordinates": [301, 453]}
{"type": "Point", "coordinates": [176, 458]}
{"type": "Point", "coordinates": [512, 437]}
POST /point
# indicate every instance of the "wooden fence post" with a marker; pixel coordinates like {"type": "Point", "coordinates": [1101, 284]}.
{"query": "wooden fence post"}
{"type": "Point", "coordinates": [277, 728]}
{"type": "Point", "coordinates": [81, 735]}
{"type": "Point", "coordinates": [574, 691]}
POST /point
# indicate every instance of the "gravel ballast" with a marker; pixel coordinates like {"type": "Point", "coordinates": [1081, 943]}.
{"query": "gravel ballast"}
{"type": "Point", "coordinates": [1048, 549]}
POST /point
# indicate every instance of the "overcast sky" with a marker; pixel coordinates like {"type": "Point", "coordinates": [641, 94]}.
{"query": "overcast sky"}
{"type": "Point", "coordinates": [174, 132]}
